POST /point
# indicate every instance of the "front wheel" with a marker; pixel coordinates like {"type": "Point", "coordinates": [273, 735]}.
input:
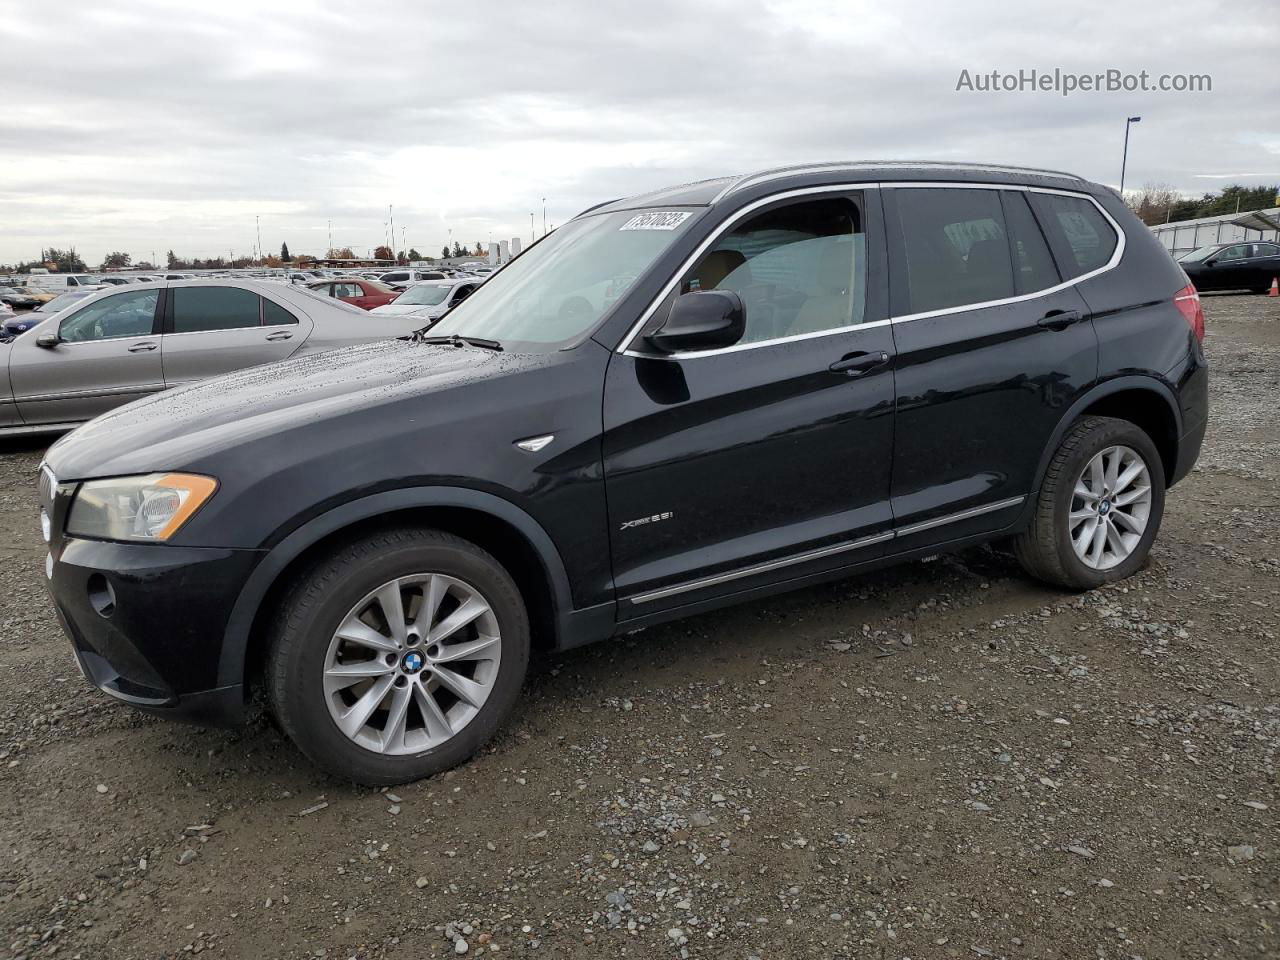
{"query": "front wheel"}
{"type": "Point", "coordinates": [1099, 507]}
{"type": "Point", "coordinates": [398, 656]}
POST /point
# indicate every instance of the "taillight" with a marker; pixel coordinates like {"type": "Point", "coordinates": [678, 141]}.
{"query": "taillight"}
{"type": "Point", "coordinates": [1187, 300]}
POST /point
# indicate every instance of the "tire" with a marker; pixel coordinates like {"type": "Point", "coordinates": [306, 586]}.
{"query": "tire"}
{"type": "Point", "coordinates": [310, 667]}
{"type": "Point", "coordinates": [1047, 550]}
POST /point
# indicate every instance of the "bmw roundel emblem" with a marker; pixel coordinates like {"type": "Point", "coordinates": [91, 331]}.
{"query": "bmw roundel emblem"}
{"type": "Point", "coordinates": [412, 662]}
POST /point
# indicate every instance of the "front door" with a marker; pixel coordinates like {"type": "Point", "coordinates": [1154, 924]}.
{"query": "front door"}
{"type": "Point", "coordinates": [733, 468]}
{"type": "Point", "coordinates": [993, 348]}
{"type": "Point", "coordinates": [213, 330]}
{"type": "Point", "coordinates": [108, 353]}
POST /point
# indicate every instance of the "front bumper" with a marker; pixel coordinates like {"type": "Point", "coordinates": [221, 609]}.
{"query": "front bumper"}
{"type": "Point", "coordinates": [146, 622]}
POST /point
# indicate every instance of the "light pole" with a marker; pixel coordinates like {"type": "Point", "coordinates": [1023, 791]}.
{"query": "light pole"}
{"type": "Point", "coordinates": [544, 216]}
{"type": "Point", "coordinates": [258, 226]}
{"type": "Point", "coordinates": [1124, 160]}
{"type": "Point", "coordinates": [533, 230]}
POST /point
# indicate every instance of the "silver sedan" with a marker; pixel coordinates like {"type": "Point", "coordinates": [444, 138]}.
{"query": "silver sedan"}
{"type": "Point", "coordinates": [128, 341]}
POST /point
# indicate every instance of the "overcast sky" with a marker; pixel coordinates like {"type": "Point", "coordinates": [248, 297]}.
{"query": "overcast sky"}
{"type": "Point", "coordinates": [133, 126]}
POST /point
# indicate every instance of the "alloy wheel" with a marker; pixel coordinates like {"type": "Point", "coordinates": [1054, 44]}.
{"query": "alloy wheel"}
{"type": "Point", "coordinates": [412, 663]}
{"type": "Point", "coordinates": [1110, 506]}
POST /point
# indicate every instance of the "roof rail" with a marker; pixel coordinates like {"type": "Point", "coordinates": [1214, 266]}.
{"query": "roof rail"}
{"type": "Point", "coordinates": [778, 172]}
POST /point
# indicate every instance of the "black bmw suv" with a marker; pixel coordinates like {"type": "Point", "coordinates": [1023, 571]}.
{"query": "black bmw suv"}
{"type": "Point", "coordinates": [686, 399]}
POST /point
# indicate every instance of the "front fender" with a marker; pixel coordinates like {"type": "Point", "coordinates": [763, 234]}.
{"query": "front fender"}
{"type": "Point", "coordinates": [236, 636]}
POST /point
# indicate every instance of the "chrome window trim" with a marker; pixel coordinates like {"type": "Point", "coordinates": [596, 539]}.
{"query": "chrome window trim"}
{"type": "Point", "coordinates": [1121, 242]}
{"type": "Point", "coordinates": [821, 552]}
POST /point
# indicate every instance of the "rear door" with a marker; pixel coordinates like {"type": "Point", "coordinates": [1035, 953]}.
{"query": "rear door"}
{"type": "Point", "coordinates": [993, 346]}
{"type": "Point", "coordinates": [1264, 265]}
{"type": "Point", "coordinates": [108, 353]}
{"type": "Point", "coordinates": [216, 329]}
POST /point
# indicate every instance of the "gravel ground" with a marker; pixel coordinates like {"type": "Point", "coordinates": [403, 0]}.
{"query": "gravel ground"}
{"type": "Point", "coordinates": [942, 760]}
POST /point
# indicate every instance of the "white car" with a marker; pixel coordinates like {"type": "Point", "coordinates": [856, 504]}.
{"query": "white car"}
{"type": "Point", "coordinates": [429, 299]}
{"type": "Point", "coordinates": [400, 279]}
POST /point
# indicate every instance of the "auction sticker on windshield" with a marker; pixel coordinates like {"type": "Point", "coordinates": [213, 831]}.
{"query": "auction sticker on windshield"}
{"type": "Point", "coordinates": [661, 220]}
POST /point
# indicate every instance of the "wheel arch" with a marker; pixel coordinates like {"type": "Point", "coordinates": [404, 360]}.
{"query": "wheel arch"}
{"type": "Point", "coordinates": [515, 539]}
{"type": "Point", "coordinates": [1144, 401]}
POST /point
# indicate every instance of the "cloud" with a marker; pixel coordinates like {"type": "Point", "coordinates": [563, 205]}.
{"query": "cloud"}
{"type": "Point", "coordinates": [143, 127]}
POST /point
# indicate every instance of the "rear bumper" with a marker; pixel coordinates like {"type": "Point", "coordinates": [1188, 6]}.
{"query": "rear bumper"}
{"type": "Point", "coordinates": [1189, 445]}
{"type": "Point", "coordinates": [146, 623]}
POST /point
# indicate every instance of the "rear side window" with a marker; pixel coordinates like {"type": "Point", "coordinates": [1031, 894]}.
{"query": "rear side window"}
{"type": "Point", "coordinates": [956, 246]}
{"type": "Point", "coordinates": [199, 309]}
{"type": "Point", "coordinates": [1081, 229]}
{"type": "Point", "coordinates": [273, 315]}
{"type": "Point", "coordinates": [1033, 267]}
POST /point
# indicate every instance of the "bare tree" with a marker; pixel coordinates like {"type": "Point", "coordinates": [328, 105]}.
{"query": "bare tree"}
{"type": "Point", "coordinates": [1153, 203]}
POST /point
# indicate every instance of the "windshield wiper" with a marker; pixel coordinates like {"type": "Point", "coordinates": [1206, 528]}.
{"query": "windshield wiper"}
{"type": "Point", "coordinates": [457, 340]}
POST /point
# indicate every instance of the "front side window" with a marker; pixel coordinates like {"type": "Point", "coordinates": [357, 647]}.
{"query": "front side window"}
{"type": "Point", "coordinates": [957, 250]}
{"type": "Point", "coordinates": [201, 309]}
{"type": "Point", "coordinates": [1239, 252]}
{"type": "Point", "coordinates": [798, 269]}
{"type": "Point", "coordinates": [122, 315]}
{"type": "Point", "coordinates": [1082, 228]}
{"type": "Point", "coordinates": [558, 289]}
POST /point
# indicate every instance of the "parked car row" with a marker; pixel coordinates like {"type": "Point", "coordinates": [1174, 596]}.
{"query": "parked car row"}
{"type": "Point", "coordinates": [106, 346]}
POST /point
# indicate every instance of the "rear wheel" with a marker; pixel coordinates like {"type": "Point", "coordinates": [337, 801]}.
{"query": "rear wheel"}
{"type": "Point", "coordinates": [398, 656]}
{"type": "Point", "coordinates": [1099, 507]}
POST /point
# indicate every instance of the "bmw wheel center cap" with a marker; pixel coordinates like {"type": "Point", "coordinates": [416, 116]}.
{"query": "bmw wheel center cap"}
{"type": "Point", "coordinates": [412, 662]}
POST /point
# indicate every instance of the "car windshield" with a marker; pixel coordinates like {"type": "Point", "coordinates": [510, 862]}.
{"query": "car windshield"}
{"type": "Point", "coordinates": [424, 294]}
{"type": "Point", "coordinates": [1195, 256]}
{"type": "Point", "coordinates": [558, 289]}
{"type": "Point", "coordinates": [59, 303]}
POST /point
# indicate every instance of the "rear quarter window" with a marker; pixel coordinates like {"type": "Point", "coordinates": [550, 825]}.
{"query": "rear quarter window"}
{"type": "Point", "coordinates": [1080, 231]}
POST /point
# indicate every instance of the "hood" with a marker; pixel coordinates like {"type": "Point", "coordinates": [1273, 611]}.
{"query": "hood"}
{"type": "Point", "coordinates": [402, 309]}
{"type": "Point", "coordinates": [171, 430]}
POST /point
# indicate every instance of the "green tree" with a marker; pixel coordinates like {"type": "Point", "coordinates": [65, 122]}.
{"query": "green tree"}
{"type": "Point", "coordinates": [284, 253]}
{"type": "Point", "coordinates": [444, 252]}
{"type": "Point", "coordinates": [116, 260]}
{"type": "Point", "coordinates": [65, 261]}
{"type": "Point", "coordinates": [457, 249]}
{"type": "Point", "coordinates": [414, 254]}
{"type": "Point", "coordinates": [172, 260]}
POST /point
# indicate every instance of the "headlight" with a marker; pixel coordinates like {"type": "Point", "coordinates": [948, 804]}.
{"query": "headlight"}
{"type": "Point", "coordinates": [153, 507]}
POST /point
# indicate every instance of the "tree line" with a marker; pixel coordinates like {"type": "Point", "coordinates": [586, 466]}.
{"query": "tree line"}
{"type": "Point", "coordinates": [1158, 203]}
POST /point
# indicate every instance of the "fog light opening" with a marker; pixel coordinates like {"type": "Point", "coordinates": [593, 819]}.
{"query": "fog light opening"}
{"type": "Point", "coordinates": [101, 597]}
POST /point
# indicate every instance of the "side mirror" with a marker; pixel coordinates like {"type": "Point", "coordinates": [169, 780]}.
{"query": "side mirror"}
{"type": "Point", "coordinates": [48, 340]}
{"type": "Point", "coordinates": [702, 320]}
{"type": "Point", "coordinates": [1210, 263]}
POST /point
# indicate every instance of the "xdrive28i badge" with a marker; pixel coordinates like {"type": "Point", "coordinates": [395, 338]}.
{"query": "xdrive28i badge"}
{"type": "Point", "coordinates": [641, 521]}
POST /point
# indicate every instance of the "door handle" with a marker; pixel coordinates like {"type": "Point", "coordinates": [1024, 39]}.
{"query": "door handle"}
{"type": "Point", "coordinates": [857, 364]}
{"type": "Point", "coordinates": [1060, 319]}
{"type": "Point", "coordinates": [279, 335]}
{"type": "Point", "coordinates": [142, 347]}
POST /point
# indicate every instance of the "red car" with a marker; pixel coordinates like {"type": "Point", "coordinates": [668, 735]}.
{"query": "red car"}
{"type": "Point", "coordinates": [365, 294]}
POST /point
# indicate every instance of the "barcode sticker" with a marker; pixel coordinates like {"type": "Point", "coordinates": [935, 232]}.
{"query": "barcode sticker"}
{"type": "Point", "coordinates": [660, 220]}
